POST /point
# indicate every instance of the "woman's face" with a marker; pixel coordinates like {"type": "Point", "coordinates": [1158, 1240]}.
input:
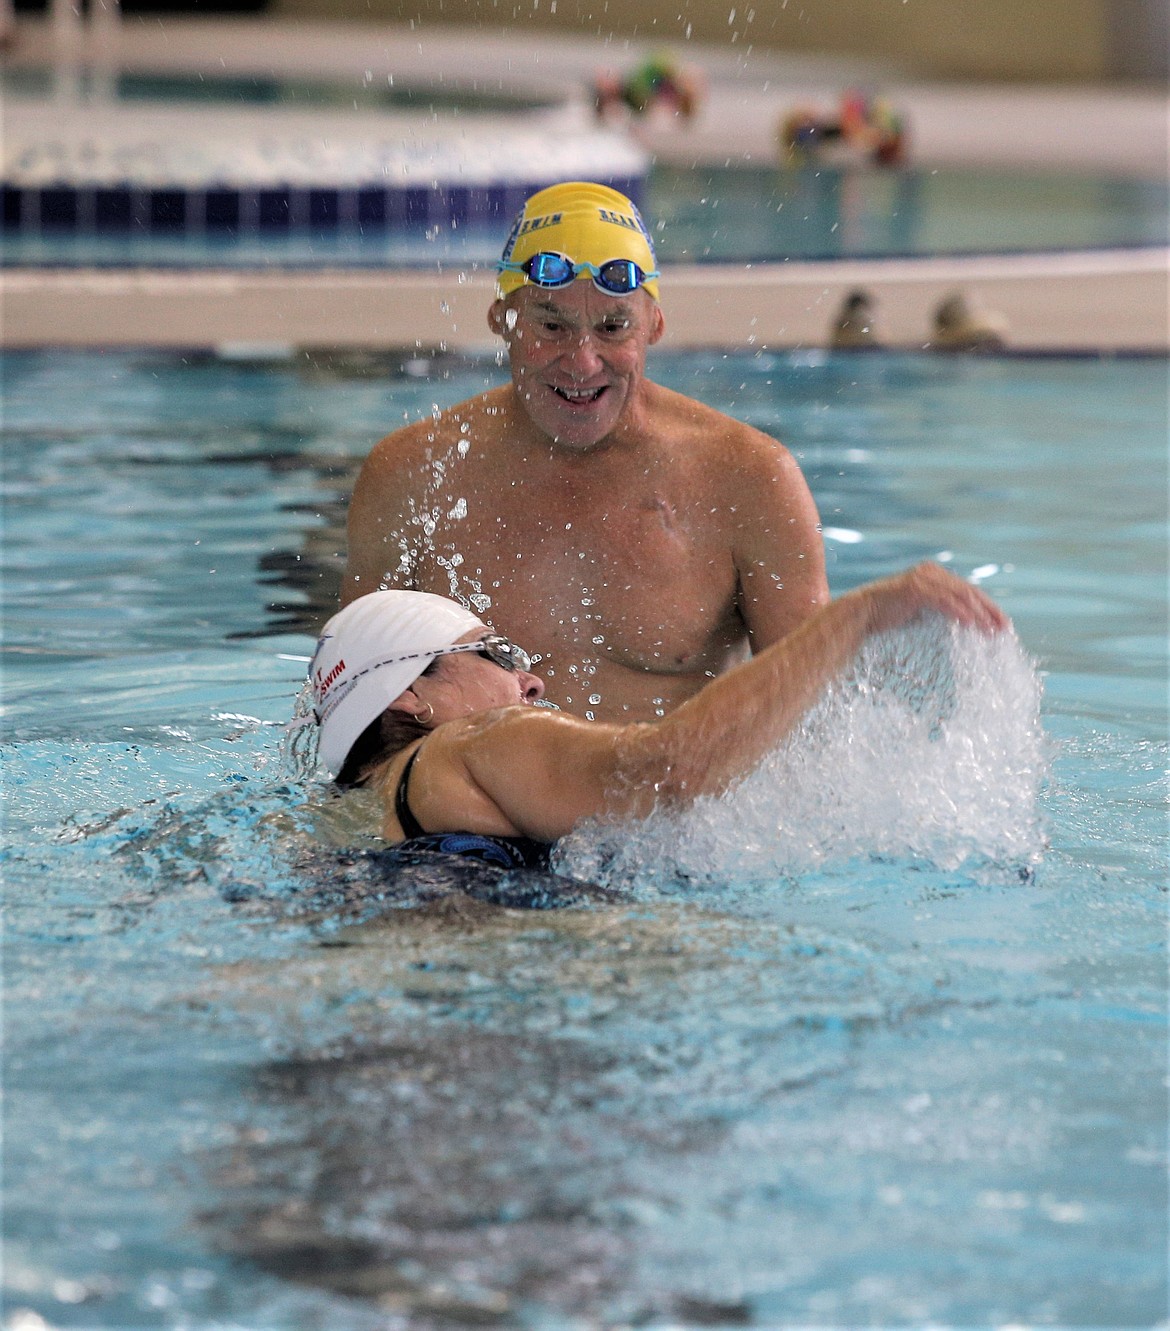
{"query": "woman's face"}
{"type": "Point", "coordinates": [468, 682]}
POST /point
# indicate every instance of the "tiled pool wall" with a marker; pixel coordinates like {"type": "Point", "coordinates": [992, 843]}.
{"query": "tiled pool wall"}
{"type": "Point", "coordinates": [229, 209]}
{"type": "Point", "coordinates": [104, 165]}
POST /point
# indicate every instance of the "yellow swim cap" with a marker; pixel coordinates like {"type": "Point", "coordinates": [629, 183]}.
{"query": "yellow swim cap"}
{"type": "Point", "coordinates": [587, 223]}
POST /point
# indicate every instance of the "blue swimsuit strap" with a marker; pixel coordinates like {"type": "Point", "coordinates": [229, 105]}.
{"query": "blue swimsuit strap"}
{"type": "Point", "coordinates": [411, 826]}
{"type": "Point", "coordinates": [508, 852]}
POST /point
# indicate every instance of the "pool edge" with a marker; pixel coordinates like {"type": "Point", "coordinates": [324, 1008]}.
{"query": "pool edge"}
{"type": "Point", "coordinates": [1102, 301]}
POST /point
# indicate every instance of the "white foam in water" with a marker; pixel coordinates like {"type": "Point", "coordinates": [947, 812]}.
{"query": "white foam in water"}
{"type": "Point", "coordinates": [931, 750]}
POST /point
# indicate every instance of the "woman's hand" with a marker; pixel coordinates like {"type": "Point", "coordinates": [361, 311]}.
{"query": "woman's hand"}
{"type": "Point", "coordinates": [929, 587]}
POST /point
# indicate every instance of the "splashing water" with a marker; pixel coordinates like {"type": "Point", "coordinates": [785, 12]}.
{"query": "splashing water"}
{"type": "Point", "coordinates": [930, 751]}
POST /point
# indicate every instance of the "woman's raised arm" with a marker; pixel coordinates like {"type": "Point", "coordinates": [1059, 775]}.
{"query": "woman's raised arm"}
{"type": "Point", "coordinates": [546, 772]}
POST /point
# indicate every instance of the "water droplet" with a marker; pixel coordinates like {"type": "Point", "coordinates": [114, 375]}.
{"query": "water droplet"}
{"type": "Point", "coordinates": [594, 698]}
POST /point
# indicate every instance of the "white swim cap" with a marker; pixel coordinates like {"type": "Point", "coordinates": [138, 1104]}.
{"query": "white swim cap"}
{"type": "Point", "coordinates": [356, 672]}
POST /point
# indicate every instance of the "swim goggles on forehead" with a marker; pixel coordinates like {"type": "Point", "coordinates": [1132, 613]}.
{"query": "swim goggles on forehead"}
{"type": "Point", "coordinates": [616, 277]}
{"type": "Point", "coordinates": [498, 650]}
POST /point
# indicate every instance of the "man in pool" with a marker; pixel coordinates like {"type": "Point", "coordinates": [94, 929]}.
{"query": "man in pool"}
{"type": "Point", "coordinates": [638, 541]}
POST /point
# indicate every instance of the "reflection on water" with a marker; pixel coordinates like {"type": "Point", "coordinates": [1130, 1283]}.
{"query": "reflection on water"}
{"type": "Point", "coordinates": [698, 1111]}
{"type": "Point", "coordinates": [397, 1179]}
{"type": "Point", "coordinates": [507, 1141]}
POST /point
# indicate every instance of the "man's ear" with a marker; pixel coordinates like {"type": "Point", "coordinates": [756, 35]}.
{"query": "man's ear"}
{"type": "Point", "coordinates": [658, 326]}
{"type": "Point", "coordinates": [497, 318]}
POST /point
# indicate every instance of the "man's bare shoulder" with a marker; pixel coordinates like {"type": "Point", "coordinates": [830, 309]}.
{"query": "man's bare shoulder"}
{"type": "Point", "coordinates": [723, 439]}
{"type": "Point", "coordinates": [394, 481]}
{"type": "Point", "coordinates": [418, 441]}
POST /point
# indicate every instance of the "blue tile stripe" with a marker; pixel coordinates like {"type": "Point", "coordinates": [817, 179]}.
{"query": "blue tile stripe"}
{"type": "Point", "coordinates": [65, 207]}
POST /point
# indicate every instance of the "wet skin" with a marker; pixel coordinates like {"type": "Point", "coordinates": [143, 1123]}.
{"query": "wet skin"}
{"type": "Point", "coordinates": [636, 540]}
{"type": "Point", "coordinates": [465, 683]}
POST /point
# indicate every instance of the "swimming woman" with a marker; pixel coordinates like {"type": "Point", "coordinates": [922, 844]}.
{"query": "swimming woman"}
{"type": "Point", "coordinates": [417, 698]}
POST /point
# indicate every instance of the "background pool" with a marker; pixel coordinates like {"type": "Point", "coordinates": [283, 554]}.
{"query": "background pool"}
{"type": "Point", "coordinates": [881, 1092]}
{"type": "Point", "coordinates": [210, 88]}
{"type": "Point", "coordinates": [708, 215]}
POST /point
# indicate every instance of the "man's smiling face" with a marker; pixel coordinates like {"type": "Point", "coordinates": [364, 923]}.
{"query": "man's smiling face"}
{"type": "Point", "coordinates": [577, 356]}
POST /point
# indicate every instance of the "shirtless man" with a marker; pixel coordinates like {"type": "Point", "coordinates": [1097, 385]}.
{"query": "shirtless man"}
{"type": "Point", "coordinates": [634, 540]}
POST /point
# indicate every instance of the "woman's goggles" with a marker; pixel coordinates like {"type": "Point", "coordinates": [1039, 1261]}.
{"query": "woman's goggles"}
{"type": "Point", "coordinates": [616, 277]}
{"type": "Point", "coordinates": [498, 650]}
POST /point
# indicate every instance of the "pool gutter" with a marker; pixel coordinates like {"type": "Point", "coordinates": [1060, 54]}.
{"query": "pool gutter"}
{"type": "Point", "coordinates": [1109, 301]}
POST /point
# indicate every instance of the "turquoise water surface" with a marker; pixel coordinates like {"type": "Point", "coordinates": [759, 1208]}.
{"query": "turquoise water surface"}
{"type": "Point", "coordinates": [866, 1061]}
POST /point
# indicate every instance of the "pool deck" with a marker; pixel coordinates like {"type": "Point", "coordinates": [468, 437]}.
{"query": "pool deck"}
{"type": "Point", "coordinates": [1110, 301]}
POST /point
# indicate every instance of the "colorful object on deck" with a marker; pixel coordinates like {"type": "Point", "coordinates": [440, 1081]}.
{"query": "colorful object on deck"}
{"type": "Point", "coordinates": [656, 84]}
{"type": "Point", "coordinates": [864, 129]}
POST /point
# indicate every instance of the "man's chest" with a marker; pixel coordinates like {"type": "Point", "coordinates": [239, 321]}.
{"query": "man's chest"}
{"type": "Point", "coordinates": [582, 541]}
{"type": "Point", "coordinates": [642, 577]}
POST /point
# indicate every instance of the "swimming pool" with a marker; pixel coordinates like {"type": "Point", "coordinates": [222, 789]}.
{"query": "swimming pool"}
{"type": "Point", "coordinates": [878, 1090]}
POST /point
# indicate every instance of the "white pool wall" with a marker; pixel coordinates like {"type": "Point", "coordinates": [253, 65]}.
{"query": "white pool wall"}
{"type": "Point", "coordinates": [1107, 301]}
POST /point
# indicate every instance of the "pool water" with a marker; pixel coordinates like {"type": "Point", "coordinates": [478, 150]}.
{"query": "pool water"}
{"type": "Point", "coordinates": [170, 87]}
{"type": "Point", "coordinates": [887, 1074]}
{"type": "Point", "coordinates": [734, 214]}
